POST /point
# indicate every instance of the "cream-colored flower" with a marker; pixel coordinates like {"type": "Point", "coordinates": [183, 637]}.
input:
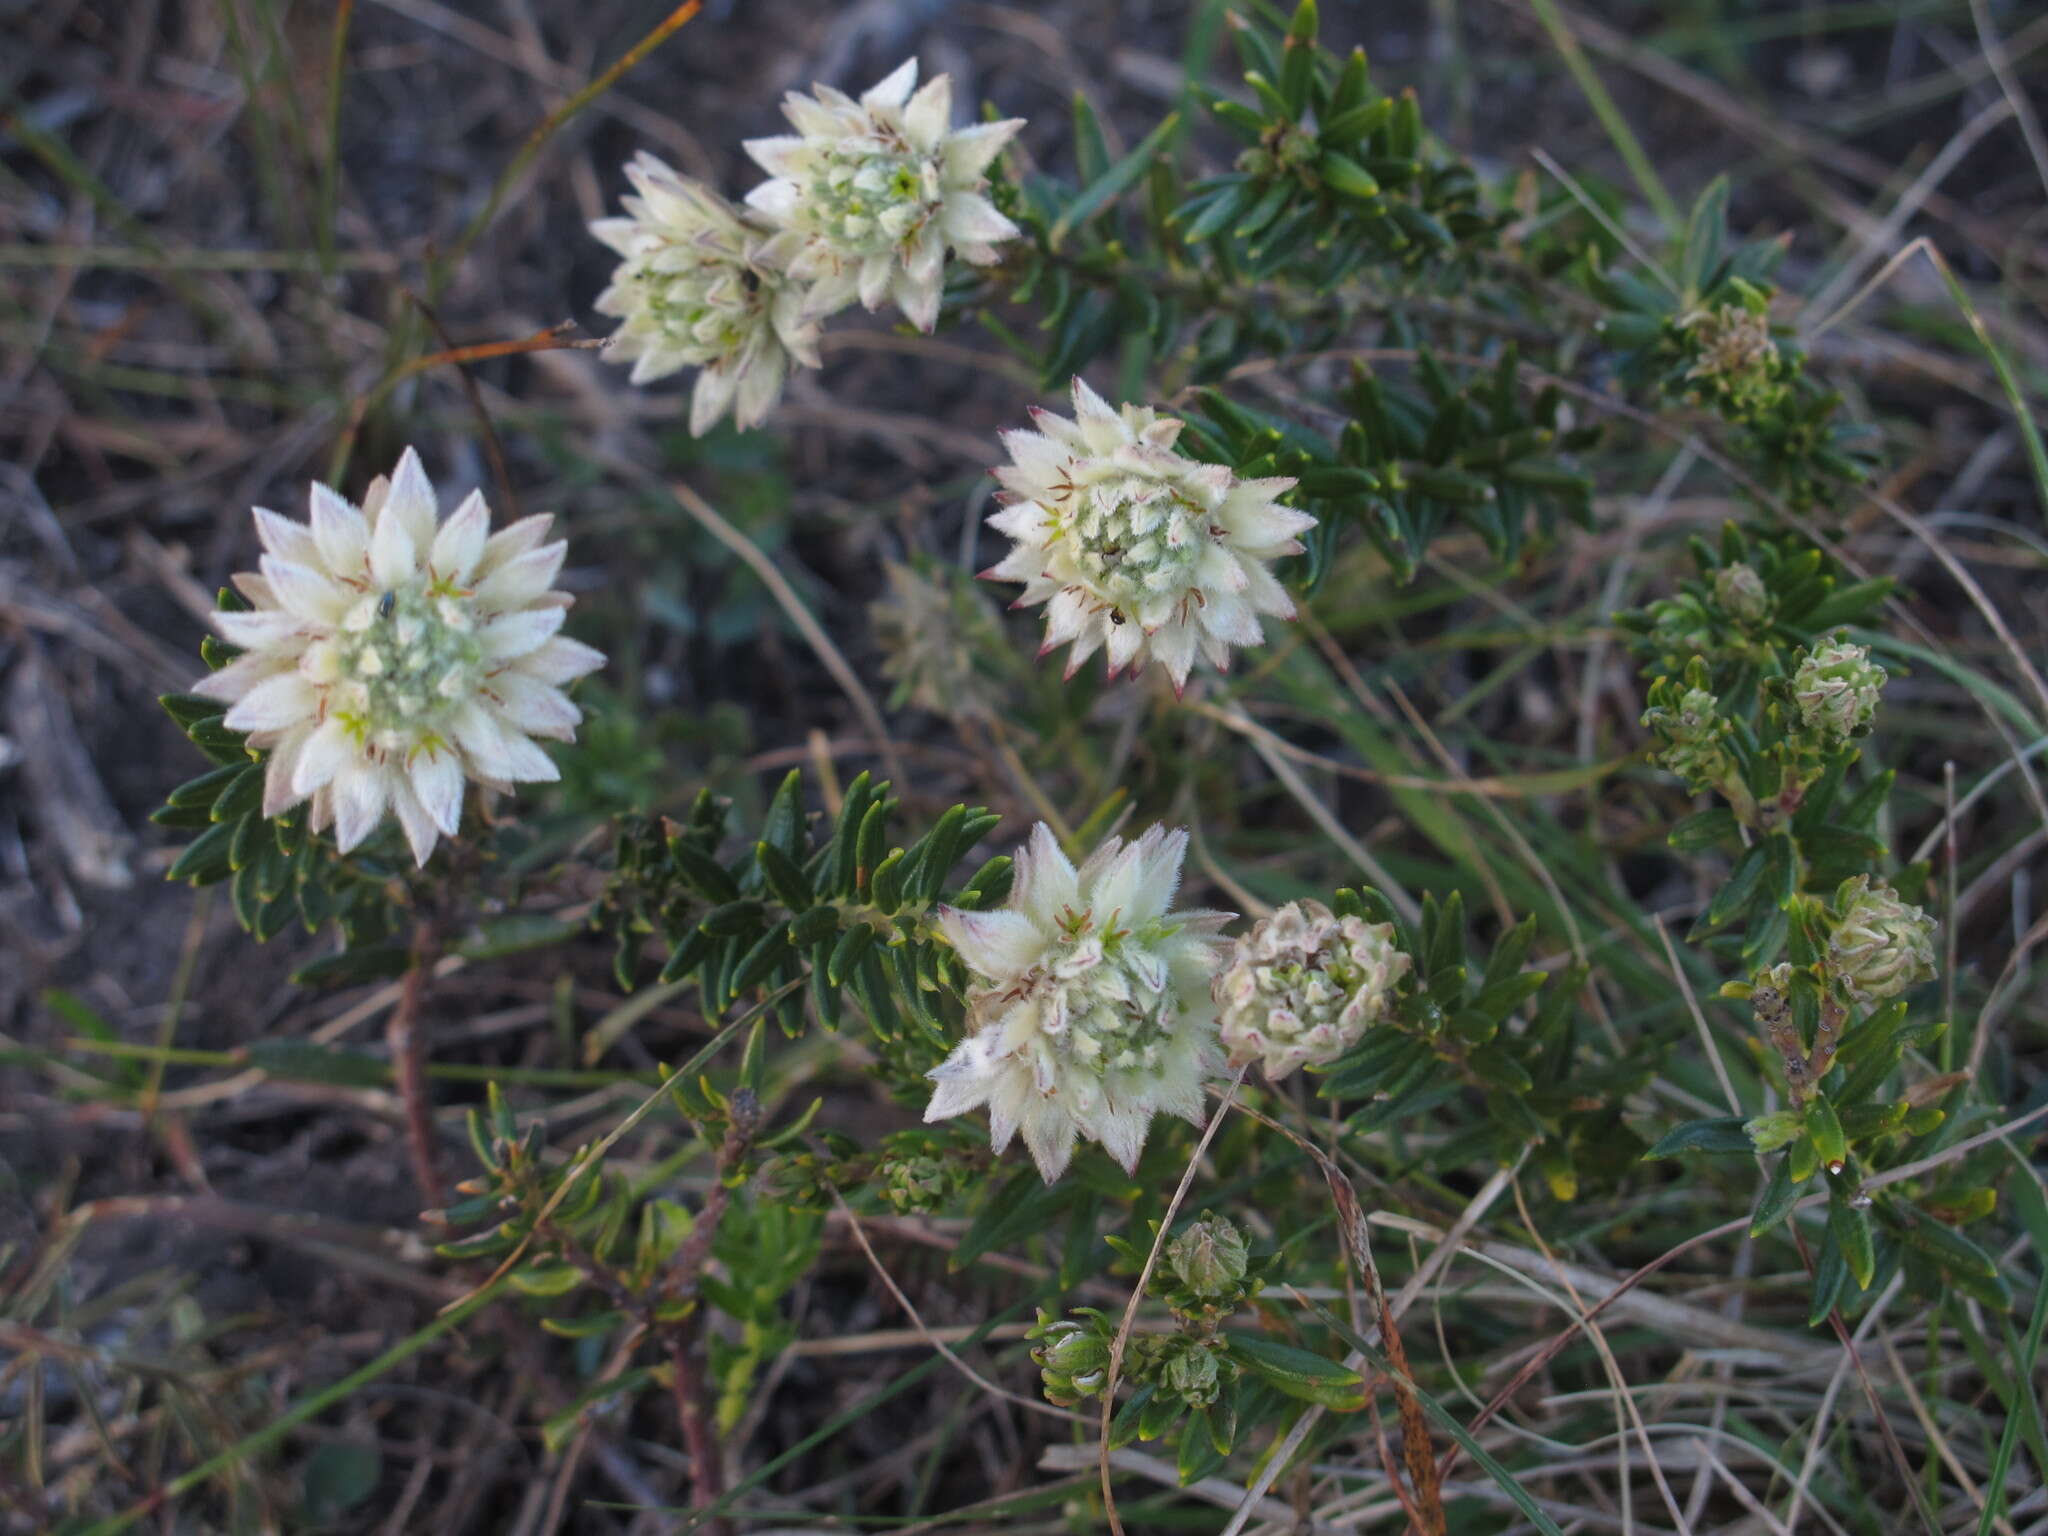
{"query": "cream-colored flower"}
{"type": "Point", "coordinates": [873, 193]}
{"type": "Point", "coordinates": [699, 289]}
{"type": "Point", "coordinates": [390, 655]}
{"type": "Point", "coordinates": [1136, 548]}
{"type": "Point", "coordinates": [1090, 1011]}
{"type": "Point", "coordinates": [1303, 985]}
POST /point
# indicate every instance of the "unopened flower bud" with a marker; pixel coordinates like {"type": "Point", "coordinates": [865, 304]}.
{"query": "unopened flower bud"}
{"type": "Point", "coordinates": [1836, 687]}
{"type": "Point", "coordinates": [1209, 1256]}
{"type": "Point", "coordinates": [1740, 591]}
{"type": "Point", "coordinates": [1736, 352]}
{"type": "Point", "coordinates": [1304, 985]}
{"type": "Point", "coordinates": [1881, 945]}
{"type": "Point", "coordinates": [1693, 735]}
{"type": "Point", "coordinates": [1072, 1359]}
{"type": "Point", "coordinates": [1297, 146]}
{"type": "Point", "coordinates": [917, 1185]}
{"type": "Point", "coordinates": [1192, 1374]}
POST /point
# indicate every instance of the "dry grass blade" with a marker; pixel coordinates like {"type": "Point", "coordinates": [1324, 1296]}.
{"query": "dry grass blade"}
{"type": "Point", "coordinates": [515, 168]}
{"type": "Point", "coordinates": [1028, 1404]}
{"type": "Point", "coordinates": [1137, 1296]}
{"type": "Point", "coordinates": [814, 635]}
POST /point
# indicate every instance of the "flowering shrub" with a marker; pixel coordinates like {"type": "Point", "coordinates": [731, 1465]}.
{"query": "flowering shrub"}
{"type": "Point", "coordinates": [1345, 397]}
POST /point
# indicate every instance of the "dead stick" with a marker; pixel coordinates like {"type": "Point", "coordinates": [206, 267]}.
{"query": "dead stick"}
{"type": "Point", "coordinates": [409, 1068]}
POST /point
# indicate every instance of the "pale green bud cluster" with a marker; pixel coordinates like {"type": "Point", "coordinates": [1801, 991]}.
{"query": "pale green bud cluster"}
{"type": "Point", "coordinates": [1693, 738]}
{"type": "Point", "coordinates": [1209, 1256]}
{"type": "Point", "coordinates": [1193, 1369]}
{"type": "Point", "coordinates": [1837, 687]}
{"type": "Point", "coordinates": [1072, 1357]}
{"type": "Point", "coordinates": [1303, 986]}
{"type": "Point", "coordinates": [1736, 353]}
{"type": "Point", "coordinates": [919, 1184]}
{"type": "Point", "coordinates": [1742, 593]}
{"type": "Point", "coordinates": [1880, 945]}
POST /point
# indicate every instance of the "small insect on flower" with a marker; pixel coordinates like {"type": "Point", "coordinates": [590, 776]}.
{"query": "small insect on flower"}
{"type": "Point", "coordinates": [1135, 548]}
{"type": "Point", "coordinates": [389, 655]}
{"type": "Point", "coordinates": [700, 288]}
{"type": "Point", "coordinates": [872, 194]}
{"type": "Point", "coordinates": [1090, 1010]}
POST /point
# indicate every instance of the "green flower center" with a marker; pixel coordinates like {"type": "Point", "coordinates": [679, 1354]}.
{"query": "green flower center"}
{"type": "Point", "coordinates": [1117, 1020]}
{"type": "Point", "coordinates": [864, 202]}
{"type": "Point", "coordinates": [415, 659]}
{"type": "Point", "coordinates": [679, 304]}
{"type": "Point", "coordinates": [1131, 548]}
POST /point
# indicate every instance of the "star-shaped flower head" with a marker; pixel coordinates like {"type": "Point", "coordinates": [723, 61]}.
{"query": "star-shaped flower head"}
{"type": "Point", "coordinates": [1137, 548]}
{"type": "Point", "coordinates": [390, 655]}
{"type": "Point", "coordinates": [699, 289]}
{"type": "Point", "coordinates": [871, 194]}
{"type": "Point", "coordinates": [1090, 1011]}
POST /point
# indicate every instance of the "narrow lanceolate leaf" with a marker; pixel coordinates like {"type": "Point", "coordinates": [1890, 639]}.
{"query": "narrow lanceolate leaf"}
{"type": "Point", "coordinates": [1112, 183]}
{"type": "Point", "coordinates": [1825, 1130]}
{"type": "Point", "coordinates": [786, 881]}
{"type": "Point", "coordinates": [1298, 1373]}
{"type": "Point", "coordinates": [705, 873]}
{"type": "Point", "coordinates": [1720, 1134]}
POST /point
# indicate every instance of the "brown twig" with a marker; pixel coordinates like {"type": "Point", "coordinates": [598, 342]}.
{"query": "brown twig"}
{"type": "Point", "coordinates": [1886, 1433]}
{"type": "Point", "coordinates": [445, 263]}
{"type": "Point", "coordinates": [707, 1474]}
{"type": "Point", "coordinates": [409, 1067]}
{"type": "Point", "coordinates": [554, 338]}
{"type": "Point", "coordinates": [494, 450]}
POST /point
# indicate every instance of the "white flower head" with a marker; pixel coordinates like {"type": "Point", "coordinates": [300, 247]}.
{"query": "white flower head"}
{"type": "Point", "coordinates": [1303, 985]}
{"type": "Point", "coordinates": [699, 289]}
{"type": "Point", "coordinates": [1138, 549]}
{"type": "Point", "coordinates": [390, 655]}
{"type": "Point", "coordinates": [872, 194]}
{"type": "Point", "coordinates": [1091, 1010]}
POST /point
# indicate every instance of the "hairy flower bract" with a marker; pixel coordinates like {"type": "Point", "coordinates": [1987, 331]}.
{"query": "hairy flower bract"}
{"type": "Point", "coordinates": [390, 655]}
{"type": "Point", "coordinates": [1136, 548]}
{"type": "Point", "coordinates": [872, 194]}
{"type": "Point", "coordinates": [699, 289]}
{"type": "Point", "coordinates": [1090, 1010]}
